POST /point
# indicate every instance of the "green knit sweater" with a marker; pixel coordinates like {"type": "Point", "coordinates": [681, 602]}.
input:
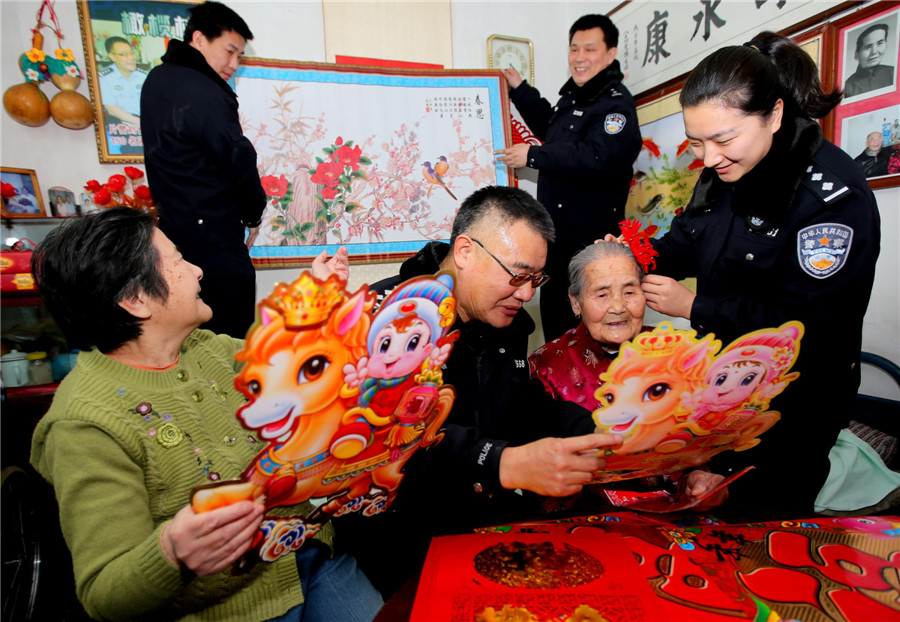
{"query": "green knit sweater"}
{"type": "Point", "coordinates": [123, 448]}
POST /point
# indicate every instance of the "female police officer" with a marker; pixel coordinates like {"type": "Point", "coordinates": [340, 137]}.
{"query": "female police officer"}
{"type": "Point", "coordinates": [781, 226]}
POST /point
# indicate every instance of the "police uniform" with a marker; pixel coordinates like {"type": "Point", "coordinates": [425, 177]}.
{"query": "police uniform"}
{"type": "Point", "coordinates": [591, 139]}
{"type": "Point", "coordinates": [117, 90]}
{"type": "Point", "coordinates": [796, 238]}
{"type": "Point", "coordinates": [455, 485]}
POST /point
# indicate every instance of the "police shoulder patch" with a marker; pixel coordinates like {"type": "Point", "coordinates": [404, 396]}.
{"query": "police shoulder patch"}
{"type": "Point", "coordinates": [614, 123]}
{"type": "Point", "coordinates": [823, 249]}
{"type": "Point", "coordinates": [824, 183]}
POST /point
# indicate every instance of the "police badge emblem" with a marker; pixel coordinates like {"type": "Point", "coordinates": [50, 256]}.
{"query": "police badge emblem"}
{"type": "Point", "coordinates": [822, 249]}
{"type": "Point", "coordinates": [614, 123]}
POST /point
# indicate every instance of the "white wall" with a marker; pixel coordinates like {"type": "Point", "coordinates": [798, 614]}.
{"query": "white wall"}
{"type": "Point", "coordinates": [294, 31]}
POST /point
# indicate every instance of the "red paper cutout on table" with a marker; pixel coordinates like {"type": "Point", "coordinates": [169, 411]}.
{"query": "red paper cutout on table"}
{"type": "Point", "coordinates": [815, 570]}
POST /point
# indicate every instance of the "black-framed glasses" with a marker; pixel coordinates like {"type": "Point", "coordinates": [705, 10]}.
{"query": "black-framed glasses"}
{"type": "Point", "coordinates": [518, 278]}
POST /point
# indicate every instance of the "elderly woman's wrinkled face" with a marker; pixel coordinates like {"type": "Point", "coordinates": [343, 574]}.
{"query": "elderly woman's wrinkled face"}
{"type": "Point", "coordinates": [612, 303]}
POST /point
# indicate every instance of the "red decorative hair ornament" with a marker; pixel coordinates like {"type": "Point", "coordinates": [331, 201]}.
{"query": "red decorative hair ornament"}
{"type": "Point", "coordinates": [639, 242]}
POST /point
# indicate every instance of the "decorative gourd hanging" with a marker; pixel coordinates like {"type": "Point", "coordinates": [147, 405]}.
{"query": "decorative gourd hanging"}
{"type": "Point", "coordinates": [27, 104]}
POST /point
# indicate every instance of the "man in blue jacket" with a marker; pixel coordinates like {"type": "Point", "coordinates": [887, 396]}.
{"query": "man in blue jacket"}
{"type": "Point", "coordinates": [200, 168]}
{"type": "Point", "coordinates": [591, 139]}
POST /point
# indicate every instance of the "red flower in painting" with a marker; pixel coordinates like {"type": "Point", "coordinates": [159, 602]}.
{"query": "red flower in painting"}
{"type": "Point", "coordinates": [133, 173]}
{"type": "Point", "coordinates": [93, 186]}
{"type": "Point", "coordinates": [102, 197]}
{"type": "Point", "coordinates": [116, 183]}
{"type": "Point", "coordinates": [329, 193]}
{"type": "Point", "coordinates": [275, 186]}
{"type": "Point", "coordinates": [142, 192]}
{"type": "Point", "coordinates": [328, 174]}
{"type": "Point", "coordinates": [348, 157]}
{"type": "Point", "coordinates": [8, 191]}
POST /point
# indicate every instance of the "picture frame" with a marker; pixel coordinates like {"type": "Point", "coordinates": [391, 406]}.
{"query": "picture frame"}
{"type": "Point", "coordinates": [665, 170]}
{"type": "Point", "coordinates": [504, 51]}
{"type": "Point", "coordinates": [866, 124]}
{"type": "Point", "coordinates": [62, 202]}
{"type": "Point", "coordinates": [124, 37]}
{"type": "Point", "coordinates": [334, 177]}
{"type": "Point", "coordinates": [27, 201]}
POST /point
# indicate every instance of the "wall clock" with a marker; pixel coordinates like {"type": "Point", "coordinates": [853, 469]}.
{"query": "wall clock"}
{"type": "Point", "coordinates": [504, 52]}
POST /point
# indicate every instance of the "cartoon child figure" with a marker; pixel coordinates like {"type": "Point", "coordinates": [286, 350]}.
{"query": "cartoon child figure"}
{"type": "Point", "coordinates": [748, 372]}
{"type": "Point", "coordinates": [407, 345]}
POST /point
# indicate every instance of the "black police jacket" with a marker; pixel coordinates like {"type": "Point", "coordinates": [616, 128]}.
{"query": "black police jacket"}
{"type": "Point", "coordinates": [591, 139]}
{"type": "Point", "coordinates": [455, 486]}
{"type": "Point", "coordinates": [796, 238]}
{"type": "Point", "coordinates": [200, 168]}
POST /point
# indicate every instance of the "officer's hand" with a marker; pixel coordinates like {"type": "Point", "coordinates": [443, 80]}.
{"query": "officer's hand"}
{"type": "Point", "coordinates": [514, 157]}
{"type": "Point", "coordinates": [339, 264]}
{"type": "Point", "coordinates": [698, 483]}
{"type": "Point", "coordinates": [513, 77]}
{"type": "Point", "coordinates": [252, 232]}
{"type": "Point", "coordinates": [668, 296]}
{"type": "Point", "coordinates": [555, 467]}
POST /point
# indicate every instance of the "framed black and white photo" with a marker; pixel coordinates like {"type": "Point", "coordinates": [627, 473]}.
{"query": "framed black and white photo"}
{"type": "Point", "coordinates": [867, 122]}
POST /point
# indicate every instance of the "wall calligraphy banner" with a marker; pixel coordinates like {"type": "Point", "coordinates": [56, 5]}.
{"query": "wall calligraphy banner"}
{"type": "Point", "coordinates": [660, 41]}
{"type": "Point", "coordinates": [372, 158]}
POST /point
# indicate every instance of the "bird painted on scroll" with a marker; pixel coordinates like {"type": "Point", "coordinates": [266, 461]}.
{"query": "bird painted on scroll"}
{"type": "Point", "coordinates": [432, 175]}
{"type": "Point", "coordinates": [441, 166]}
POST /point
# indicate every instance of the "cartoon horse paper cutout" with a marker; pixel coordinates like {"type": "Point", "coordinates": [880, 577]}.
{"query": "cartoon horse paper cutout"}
{"type": "Point", "coordinates": [305, 360]}
{"type": "Point", "coordinates": [677, 403]}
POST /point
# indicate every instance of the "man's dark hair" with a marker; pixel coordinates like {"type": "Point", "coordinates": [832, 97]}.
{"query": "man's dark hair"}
{"type": "Point", "coordinates": [111, 41]}
{"type": "Point", "coordinates": [508, 204]}
{"type": "Point", "coordinates": [865, 33]}
{"type": "Point", "coordinates": [214, 18]}
{"type": "Point", "coordinates": [594, 20]}
{"type": "Point", "coordinates": [87, 265]}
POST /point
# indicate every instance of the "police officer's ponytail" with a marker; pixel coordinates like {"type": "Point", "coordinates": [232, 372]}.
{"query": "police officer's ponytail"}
{"type": "Point", "coordinates": [753, 76]}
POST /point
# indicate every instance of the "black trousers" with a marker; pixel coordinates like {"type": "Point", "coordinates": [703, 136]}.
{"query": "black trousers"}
{"type": "Point", "coordinates": [228, 286]}
{"type": "Point", "coordinates": [556, 310]}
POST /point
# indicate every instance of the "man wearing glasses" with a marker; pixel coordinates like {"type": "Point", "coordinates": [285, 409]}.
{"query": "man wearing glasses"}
{"type": "Point", "coordinates": [121, 82]}
{"type": "Point", "coordinates": [499, 436]}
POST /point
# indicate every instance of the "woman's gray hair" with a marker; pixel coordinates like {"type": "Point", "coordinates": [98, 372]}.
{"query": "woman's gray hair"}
{"type": "Point", "coordinates": [590, 254]}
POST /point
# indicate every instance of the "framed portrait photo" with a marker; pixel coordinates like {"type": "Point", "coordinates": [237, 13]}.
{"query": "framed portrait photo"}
{"type": "Point", "coordinates": [124, 40]}
{"type": "Point", "coordinates": [62, 202]}
{"type": "Point", "coordinates": [867, 122]}
{"type": "Point", "coordinates": [21, 195]}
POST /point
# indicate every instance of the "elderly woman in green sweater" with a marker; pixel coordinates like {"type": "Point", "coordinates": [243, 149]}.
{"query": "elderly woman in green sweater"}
{"type": "Point", "coordinates": [146, 415]}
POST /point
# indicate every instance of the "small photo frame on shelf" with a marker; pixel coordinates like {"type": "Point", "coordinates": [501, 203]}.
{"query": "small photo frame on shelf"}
{"type": "Point", "coordinates": [62, 202]}
{"type": "Point", "coordinates": [867, 122]}
{"type": "Point", "coordinates": [21, 195]}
